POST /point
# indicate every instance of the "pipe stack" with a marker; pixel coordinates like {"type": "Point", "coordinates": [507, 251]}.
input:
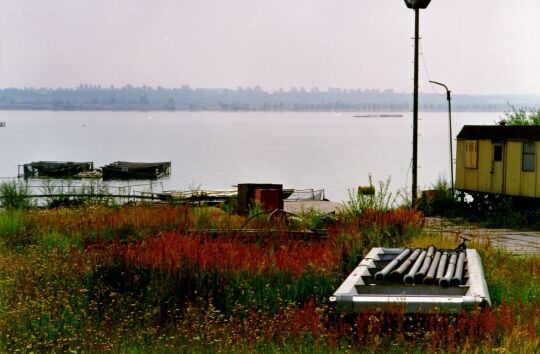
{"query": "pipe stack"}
{"type": "Point", "coordinates": [426, 266]}
{"type": "Point", "coordinates": [421, 274]}
{"type": "Point", "coordinates": [384, 272]}
{"type": "Point", "coordinates": [398, 273]}
{"type": "Point", "coordinates": [428, 279]}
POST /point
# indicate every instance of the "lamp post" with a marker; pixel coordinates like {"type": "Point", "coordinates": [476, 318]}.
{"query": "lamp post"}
{"type": "Point", "coordinates": [449, 134]}
{"type": "Point", "coordinates": [416, 5]}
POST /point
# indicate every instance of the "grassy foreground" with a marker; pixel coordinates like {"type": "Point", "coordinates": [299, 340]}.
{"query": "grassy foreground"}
{"type": "Point", "coordinates": [151, 279]}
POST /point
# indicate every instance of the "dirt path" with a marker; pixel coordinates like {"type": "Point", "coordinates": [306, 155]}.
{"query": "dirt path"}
{"type": "Point", "coordinates": [513, 241]}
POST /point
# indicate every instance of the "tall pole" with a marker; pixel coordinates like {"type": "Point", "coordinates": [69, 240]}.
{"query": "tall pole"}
{"type": "Point", "coordinates": [415, 110]}
{"type": "Point", "coordinates": [450, 140]}
{"type": "Point", "coordinates": [449, 98]}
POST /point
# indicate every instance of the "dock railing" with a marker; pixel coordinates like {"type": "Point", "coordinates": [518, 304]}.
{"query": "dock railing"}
{"type": "Point", "coordinates": [46, 191]}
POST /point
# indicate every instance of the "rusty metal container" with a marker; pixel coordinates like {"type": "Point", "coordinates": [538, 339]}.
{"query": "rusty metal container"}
{"type": "Point", "coordinates": [246, 195]}
{"type": "Point", "coordinates": [269, 199]}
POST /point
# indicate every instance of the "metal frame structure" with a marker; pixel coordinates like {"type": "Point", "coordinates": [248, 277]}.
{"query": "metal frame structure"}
{"type": "Point", "coordinates": [360, 292]}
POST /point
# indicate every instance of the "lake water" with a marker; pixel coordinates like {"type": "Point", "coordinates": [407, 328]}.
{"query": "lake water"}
{"type": "Point", "coordinates": [215, 150]}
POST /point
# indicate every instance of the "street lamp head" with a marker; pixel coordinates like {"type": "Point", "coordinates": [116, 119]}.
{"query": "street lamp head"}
{"type": "Point", "coordinates": [417, 4]}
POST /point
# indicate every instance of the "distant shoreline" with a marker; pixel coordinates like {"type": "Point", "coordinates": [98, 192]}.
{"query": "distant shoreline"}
{"type": "Point", "coordinates": [186, 99]}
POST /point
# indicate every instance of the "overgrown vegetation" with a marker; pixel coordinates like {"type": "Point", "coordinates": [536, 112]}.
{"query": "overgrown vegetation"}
{"type": "Point", "coordinates": [486, 210]}
{"type": "Point", "coordinates": [440, 200]}
{"type": "Point", "coordinates": [151, 278]}
{"type": "Point", "coordinates": [15, 195]}
{"type": "Point", "coordinates": [71, 195]}
{"type": "Point", "coordinates": [367, 198]}
{"type": "Point", "coordinates": [522, 116]}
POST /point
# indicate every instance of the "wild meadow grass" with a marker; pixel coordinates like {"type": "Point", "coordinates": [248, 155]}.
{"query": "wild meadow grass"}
{"type": "Point", "coordinates": [151, 278]}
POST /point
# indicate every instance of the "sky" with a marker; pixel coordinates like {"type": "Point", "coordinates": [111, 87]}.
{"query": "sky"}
{"type": "Point", "coordinates": [475, 47]}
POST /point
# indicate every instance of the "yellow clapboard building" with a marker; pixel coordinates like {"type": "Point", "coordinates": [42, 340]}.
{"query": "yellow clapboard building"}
{"type": "Point", "coordinates": [498, 159]}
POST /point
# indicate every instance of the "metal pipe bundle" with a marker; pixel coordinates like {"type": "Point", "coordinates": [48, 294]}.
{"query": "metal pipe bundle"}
{"type": "Point", "coordinates": [428, 280]}
{"type": "Point", "coordinates": [381, 275]}
{"type": "Point", "coordinates": [419, 276]}
{"type": "Point", "coordinates": [409, 277]}
{"type": "Point", "coordinates": [457, 279]}
{"type": "Point", "coordinates": [398, 273]}
{"type": "Point", "coordinates": [428, 266]}
{"type": "Point", "coordinates": [442, 267]}
{"type": "Point", "coordinates": [445, 281]}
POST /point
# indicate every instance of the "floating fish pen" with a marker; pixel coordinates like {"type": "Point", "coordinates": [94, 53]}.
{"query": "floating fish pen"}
{"type": "Point", "coordinates": [136, 170]}
{"type": "Point", "coordinates": [414, 281]}
{"type": "Point", "coordinates": [56, 169]}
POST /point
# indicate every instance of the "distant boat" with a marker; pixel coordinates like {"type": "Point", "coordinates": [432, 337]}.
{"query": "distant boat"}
{"type": "Point", "coordinates": [2, 124]}
{"type": "Point", "coordinates": [379, 116]}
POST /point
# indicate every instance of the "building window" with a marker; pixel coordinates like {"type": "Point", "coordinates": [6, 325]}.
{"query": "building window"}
{"type": "Point", "coordinates": [471, 153]}
{"type": "Point", "coordinates": [528, 162]}
{"type": "Point", "coordinates": [497, 152]}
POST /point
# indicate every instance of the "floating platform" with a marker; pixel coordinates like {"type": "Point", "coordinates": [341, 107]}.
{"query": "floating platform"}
{"type": "Point", "coordinates": [208, 196]}
{"type": "Point", "coordinates": [57, 169]}
{"type": "Point", "coordinates": [136, 170]}
{"type": "Point", "coordinates": [391, 279]}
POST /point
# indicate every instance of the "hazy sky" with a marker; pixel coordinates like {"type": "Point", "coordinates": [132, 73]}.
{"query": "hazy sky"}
{"type": "Point", "coordinates": [475, 46]}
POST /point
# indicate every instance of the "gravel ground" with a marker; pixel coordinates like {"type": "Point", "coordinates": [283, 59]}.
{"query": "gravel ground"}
{"type": "Point", "coordinates": [513, 241]}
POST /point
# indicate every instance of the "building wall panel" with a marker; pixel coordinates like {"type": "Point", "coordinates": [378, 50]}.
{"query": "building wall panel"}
{"type": "Point", "coordinates": [460, 164]}
{"type": "Point", "coordinates": [537, 174]}
{"type": "Point", "coordinates": [485, 152]}
{"type": "Point", "coordinates": [513, 168]}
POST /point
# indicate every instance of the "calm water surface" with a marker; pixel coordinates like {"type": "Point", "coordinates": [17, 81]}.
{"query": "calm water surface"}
{"type": "Point", "coordinates": [215, 150]}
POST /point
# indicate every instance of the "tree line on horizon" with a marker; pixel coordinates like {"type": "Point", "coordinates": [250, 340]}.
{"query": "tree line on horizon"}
{"type": "Point", "coordinates": [145, 98]}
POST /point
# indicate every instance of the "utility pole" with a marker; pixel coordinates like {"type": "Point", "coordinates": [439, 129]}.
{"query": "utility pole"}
{"type": "Point", "coordinates": [416, 5]}
{"type": "Point", "coordinates": [415, 111]}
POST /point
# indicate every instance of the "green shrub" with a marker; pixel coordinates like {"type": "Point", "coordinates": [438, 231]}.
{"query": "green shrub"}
{"type": "Point", "coordinates": [381, 200]}
{"type": "Point", "coordinates": [522, 116]}
{"type": "Point", "coordinates": [313, 219]}
{"type": "Point", "coordinates": [15, 195]}
{"type": "Point", "coordinates": [439, 200]}
{"type": "Point", "coordinates": [230, 205]}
